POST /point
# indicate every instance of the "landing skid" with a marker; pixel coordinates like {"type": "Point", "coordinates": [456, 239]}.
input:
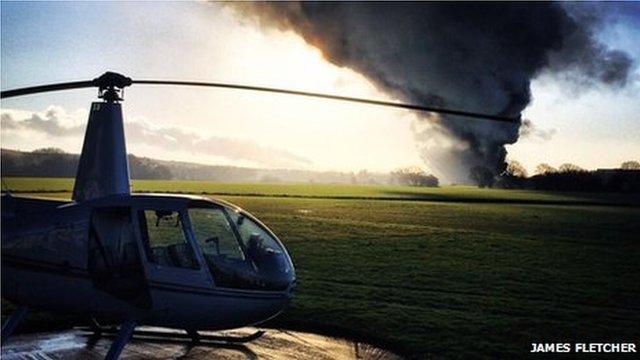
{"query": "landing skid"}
{"type": "Point", "coordinates": [165, 335]}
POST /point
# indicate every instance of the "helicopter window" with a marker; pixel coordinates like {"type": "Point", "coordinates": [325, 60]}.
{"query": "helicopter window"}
{"type": "Point", "coordinates": [214, 233]}
{"type": "Point", "coordinates": [256, 240]}
{"type": "Point", "coordinates": [264, 251]}
{"type": "Point", "coordinates": [220, 246]}
{"type": "Point", "coordinates": [248, 259]}
{"type": "Point", "coordinates": [163, 232]}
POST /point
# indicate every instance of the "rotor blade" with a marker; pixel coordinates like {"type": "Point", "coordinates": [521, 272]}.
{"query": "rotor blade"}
{"type": "Point", "coordinates": [107, 80]}
{"type": "Point", "coordinates": [333, 97]}
{"type": "Point", "coordinates": [46, 88]}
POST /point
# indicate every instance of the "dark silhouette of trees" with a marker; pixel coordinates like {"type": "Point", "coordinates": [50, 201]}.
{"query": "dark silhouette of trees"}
{"type": "Point", "coordinates": [571, 177]}
{"type": "Point", "coordinates": [514, 168]}
{"type": "Point", "coordinates": [145, 168]}
{"type": "Point", "coordinates": [52, 162]}
{"type": "Point", "coordinates": [568, 167]}
{"type": "Point", "coordinates": [569, 180]}
{"type": "Point", "coordinates": [49, 150]}
{"type": "Point", "coordinates": [513, 177]}
{"type": "Point", "coordinates": [413, 176]}
{"type": "Point", "coordinates": [49, 162]}
{"type": "Point", "coordinates": [544, 168]}
{"type": "Point", "coordinates": [630, 165]}
{"type": "Point", "coordinates": [482, 176]}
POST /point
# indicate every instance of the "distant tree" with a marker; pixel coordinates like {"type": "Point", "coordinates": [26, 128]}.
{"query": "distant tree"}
{"type": "Point", "coordinates": [413, 176]}
{"type": "Point", "coordinates": [49, 150]}
{"type": "Point", "coordinates": [145, 168]}
{"type": "Point", "coordinates": [630, 165]}
{"type": "Point", "coordinates": [482, 176]}
{"type": "Point", "coordinates": [514, 176]}
{"type": "Point", "coordinates": [544, 168]}
{"type": "Point", "coordinates": [429, 180]}
{"type": "Point", "coordinates": [564, 168]}
{"type": "Point", "coordinates": [514, 168]}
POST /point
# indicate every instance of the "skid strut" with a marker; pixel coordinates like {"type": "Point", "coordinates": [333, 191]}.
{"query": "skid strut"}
{"type": "Point", "coordinates": [124, 334]}
{"type": "Point", "coordinates": [12, 322]}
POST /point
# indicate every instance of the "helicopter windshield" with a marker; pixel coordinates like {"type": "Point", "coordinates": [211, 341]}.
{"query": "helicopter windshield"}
{"type": "Point", "coordinates": [239, 252]}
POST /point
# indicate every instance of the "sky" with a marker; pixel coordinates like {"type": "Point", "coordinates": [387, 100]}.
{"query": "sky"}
{"type": "Point", "coordinates": [596, 127]}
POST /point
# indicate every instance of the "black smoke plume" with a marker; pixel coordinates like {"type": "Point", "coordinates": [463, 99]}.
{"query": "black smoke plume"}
{"type": "Point", "coordinates": [468, 56]}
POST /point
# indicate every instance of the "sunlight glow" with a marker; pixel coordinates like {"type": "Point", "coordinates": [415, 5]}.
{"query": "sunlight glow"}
{"type": "Point", "coordinates": [155, 42]}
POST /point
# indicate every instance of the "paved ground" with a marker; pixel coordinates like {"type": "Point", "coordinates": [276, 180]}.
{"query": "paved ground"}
{"type": "Point", "coordinates": [274, 344]}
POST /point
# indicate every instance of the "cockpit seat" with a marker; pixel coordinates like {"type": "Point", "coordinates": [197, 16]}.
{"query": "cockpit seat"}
{"type": "Point", "coordinates": [254, 247]}
{"type": "Point", "coordinates": [267, 259]}
{"type": "Point", "coordinates": [181, 255]}
{"type": "Point", "coordinates": [161, 256]}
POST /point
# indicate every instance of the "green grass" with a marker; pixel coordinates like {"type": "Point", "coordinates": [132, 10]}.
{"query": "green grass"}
{"type": "Point", "coordinates": [449, 278]}
{"type": "Point", "coordinates": [455, 279]}
{"type": "Point", "coordinates": [338, 191]}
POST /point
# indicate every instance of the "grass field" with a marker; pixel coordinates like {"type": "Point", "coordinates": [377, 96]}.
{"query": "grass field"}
{"type": "Point", "coordinates": [339, 191]}
{"type": "Point", "coordinates": [462, 273]}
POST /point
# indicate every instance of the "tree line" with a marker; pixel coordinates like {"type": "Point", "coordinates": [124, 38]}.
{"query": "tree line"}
{"type": "Point", "coordinates": [567, 177]}
{"type": "Point", "coordinates": [53, 162]}
{"type": "Point", "coordinates": [413, 176]}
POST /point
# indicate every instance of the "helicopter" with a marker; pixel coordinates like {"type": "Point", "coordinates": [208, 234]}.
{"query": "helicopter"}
{"type": "Point", "coordinates": [115, 257]}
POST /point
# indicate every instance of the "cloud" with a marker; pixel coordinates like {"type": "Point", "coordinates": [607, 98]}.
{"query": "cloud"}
{"type": "Point", "coordinates": [231, 148]}
{"type": "Point", "coordinates": [55, 122]}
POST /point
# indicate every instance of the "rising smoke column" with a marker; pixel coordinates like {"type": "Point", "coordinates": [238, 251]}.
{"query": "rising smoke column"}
{"type": "Point", "coordinates": [475, 57]}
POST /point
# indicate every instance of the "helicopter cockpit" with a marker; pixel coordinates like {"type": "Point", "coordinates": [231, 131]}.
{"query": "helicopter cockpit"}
{"type": "Point", "coordinates": [238, 251]}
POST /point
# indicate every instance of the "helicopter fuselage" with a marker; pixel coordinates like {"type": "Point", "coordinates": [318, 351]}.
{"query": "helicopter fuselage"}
{"type": "Point", "coordinates": [164, 260]}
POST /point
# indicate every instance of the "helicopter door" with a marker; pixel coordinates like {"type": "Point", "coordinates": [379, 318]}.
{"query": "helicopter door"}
{"type": "Point", "coordinates": [171, 257]}
{"type": "Point", "coordinates": [114, 257]}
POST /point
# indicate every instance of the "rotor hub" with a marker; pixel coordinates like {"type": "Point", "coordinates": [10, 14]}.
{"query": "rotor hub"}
{"type": "Point", "coordinates": [111, 86]}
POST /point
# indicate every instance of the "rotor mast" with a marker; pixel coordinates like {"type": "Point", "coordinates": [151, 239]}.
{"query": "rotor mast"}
{"type": "Point", "coordinates": [103, 169]}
